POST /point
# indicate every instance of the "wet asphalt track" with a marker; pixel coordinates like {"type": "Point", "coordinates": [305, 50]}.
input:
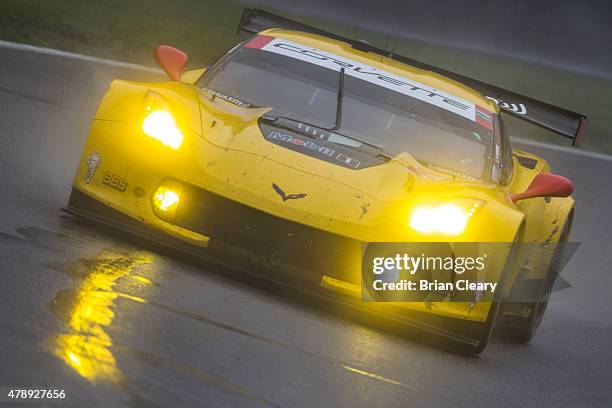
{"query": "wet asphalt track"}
{"type": "Point", "coordinates": [114, 322]}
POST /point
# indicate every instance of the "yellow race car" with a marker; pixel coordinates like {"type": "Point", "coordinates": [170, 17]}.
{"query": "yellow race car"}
{"type": "Point", "coordinates": [299, 153]}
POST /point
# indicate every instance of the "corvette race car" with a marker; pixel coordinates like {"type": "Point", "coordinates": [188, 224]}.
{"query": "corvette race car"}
{"type": "Point", "coordinates": [299, 152]}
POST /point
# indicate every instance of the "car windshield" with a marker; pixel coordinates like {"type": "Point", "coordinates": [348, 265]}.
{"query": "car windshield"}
{"type": "Point", "coordinates": [440, 130]}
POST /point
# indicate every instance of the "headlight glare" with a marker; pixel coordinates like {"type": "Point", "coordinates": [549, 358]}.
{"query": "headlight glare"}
{"type": "Point", "coordinates": [447, 218]}
{"type": "Point", "coordinates": [166, 199]}
{"type": "Point", "coordinates": [159, 123]}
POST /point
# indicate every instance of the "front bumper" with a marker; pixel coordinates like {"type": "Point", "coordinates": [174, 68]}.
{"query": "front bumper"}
{"type": "Point", "coordinates": [286, 253]}
{"type": "Point", "coordinates": [121, 170]}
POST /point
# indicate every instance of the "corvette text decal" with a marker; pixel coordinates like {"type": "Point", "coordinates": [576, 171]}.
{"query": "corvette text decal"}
{"type": "Point", "coordinates": [367, 73]}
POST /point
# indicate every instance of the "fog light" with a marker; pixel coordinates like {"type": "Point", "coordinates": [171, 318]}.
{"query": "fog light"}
{"type": "Point", "coordinates": [166, 200]}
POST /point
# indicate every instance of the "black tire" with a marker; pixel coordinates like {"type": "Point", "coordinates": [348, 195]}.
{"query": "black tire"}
{"type": "Point", "coordinates": [495, 309]}
{"type": "Point", "coordinates": [523, 327]}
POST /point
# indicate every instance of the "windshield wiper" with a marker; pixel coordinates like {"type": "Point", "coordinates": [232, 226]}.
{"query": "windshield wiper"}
{"type": "Point", "coordinates": [338, 119]}
{"type": "Point", "coordinates": [319, 132]}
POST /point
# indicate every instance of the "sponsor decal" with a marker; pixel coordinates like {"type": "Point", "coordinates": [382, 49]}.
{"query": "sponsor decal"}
{"type": "Point", "coordinates": [93, 162]}
{"type": "Point", "coordinates": [519, 109]}
{"type": "Point", "coordinates": [425, 174]}
{"type": "Point", "coordinates": [367, 73]}
{"type": "Point", "coordinates": [451, 172]}
{"type": "Point", "coordinates": [115, 181]}
{"type": "Point", "coordinates": [348, 160]}
{"type": "Point", "coordinates": [316, 147]}
{"type": "Point", "coordinates": [259, 41]}
{"type": "Point", "coordinates": [309, 144]}
{"type": "Point", "coordinates": [285, 196]}
{"type": "Point", "coordinates": [229, 99]}
{"type": "Point", "coordinates": [484, 117]}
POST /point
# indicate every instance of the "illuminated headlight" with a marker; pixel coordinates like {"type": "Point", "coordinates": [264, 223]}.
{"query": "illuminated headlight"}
{"type": "Point", "coordinates": [159, 123]}
{"type": "Point", "coordinates": [448, 218]}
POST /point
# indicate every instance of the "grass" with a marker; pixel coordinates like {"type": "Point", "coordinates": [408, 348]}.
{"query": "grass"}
{"type": "Point", "coordinates": [124, 29]}
{"type": "Point", "coordinates": [129, 31]}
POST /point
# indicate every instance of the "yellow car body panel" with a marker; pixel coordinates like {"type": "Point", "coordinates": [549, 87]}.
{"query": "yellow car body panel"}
{"type": "Point", "coordinates": [223, 152]}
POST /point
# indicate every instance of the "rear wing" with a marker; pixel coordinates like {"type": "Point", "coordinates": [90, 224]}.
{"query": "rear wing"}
{"type": "Point", "coordinates": [566, 123]}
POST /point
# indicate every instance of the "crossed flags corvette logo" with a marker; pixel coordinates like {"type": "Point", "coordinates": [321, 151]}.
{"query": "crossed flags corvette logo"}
{"type": "Point", "coordinates": [286, 196]}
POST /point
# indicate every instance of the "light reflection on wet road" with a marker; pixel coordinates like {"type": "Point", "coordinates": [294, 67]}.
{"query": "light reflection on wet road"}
{"type": "Point", "coordinates": [116, 322]}
{"type": "Point", "coordinates": [88, 310]}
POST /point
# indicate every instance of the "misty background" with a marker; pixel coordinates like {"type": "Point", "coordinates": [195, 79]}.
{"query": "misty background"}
{"type": "Point", "coordinates": [553, 51]}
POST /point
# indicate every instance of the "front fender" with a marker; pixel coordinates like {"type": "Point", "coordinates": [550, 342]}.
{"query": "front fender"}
{"type": "Point", "coordinates": [123, 102]}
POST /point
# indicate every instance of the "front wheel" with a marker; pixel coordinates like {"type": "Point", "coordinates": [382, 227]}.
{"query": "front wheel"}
{"type": "Point", "coordinates": [524, 325]}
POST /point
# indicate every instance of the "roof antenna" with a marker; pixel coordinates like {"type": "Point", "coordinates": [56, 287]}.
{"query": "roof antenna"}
{"type": "Point", "coordinates": [397, 36]}
{"type": "Point", "coordinates": [386, 48]}
{"type": "Point", "coordinates": [339, 101]}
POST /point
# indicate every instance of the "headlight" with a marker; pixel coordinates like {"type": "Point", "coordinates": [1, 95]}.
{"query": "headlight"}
{"type": "Point", "coordinates": [447, 218]}
{"type": "Point", "coordinates": [159, 123]}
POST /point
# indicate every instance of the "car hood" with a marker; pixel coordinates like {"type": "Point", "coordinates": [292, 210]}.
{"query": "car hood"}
{"type": "Point", "coordinates": [239, 163]}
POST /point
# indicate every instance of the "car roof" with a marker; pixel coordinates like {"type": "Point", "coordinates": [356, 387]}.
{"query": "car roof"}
{"type": "Point", "coordinates": [423, 76]}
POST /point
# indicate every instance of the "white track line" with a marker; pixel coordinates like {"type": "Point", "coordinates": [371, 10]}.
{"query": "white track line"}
{"type": "Point", "coordinates": [129, 65]}
{"type": "Point", "coordinates": [81, 57]}
{"type": "Point", "coordinates": [563, 149]}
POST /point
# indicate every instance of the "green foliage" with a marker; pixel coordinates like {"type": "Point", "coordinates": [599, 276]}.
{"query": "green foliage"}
{"type": "Point", "coordinates": [124, 30]}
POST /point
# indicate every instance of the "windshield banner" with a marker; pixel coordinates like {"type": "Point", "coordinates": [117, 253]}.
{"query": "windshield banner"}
{"type": "Point", "coordinates": [368, 73]}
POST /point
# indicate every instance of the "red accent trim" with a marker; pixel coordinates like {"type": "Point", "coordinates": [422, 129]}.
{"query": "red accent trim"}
{"type": "Point", "coordinates": [482, 122]}
{"type": "Point", "coordinates": [546, 185]}
{"type": "Point", "coordinates": [259, 41]}
{"type": "Point", "coordinates": [172, 60]}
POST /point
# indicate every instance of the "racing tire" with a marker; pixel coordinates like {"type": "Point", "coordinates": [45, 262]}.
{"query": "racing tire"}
{"type": "Point", "coordinates": [523, 327]}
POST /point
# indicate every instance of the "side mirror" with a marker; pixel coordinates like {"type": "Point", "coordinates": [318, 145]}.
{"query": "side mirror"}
{"type": "Point", "coordinates": [172, 60]}
{"type": "Point", "coordinates": [546, 185]}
